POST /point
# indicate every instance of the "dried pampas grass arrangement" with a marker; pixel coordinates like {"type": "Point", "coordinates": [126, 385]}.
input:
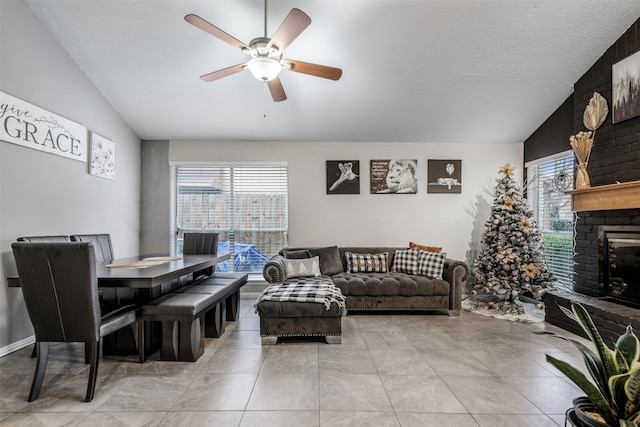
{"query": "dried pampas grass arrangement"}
{"type": "Point", "coordinates": [582, 142]}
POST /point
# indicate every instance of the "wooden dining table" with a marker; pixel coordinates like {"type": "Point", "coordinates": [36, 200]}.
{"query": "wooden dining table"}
{"type": "Point", "coordinates": [123, 272]}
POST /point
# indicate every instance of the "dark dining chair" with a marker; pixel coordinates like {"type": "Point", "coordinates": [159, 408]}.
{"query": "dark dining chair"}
{"type": "Point", "coordinates": [43, 239]}
{"type": "Point", "coordinates": [60, 289]}
{"type": "Point", "coordinates": [200, 244]}
{"type": "Point", "coordinates": [101, 243]}
{"type": "Point", "coordinates": [104, 254]}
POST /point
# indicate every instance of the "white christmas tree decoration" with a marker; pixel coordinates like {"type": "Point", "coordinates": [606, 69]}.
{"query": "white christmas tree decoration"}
{"type": "Point", "coordinates": [511, 261]}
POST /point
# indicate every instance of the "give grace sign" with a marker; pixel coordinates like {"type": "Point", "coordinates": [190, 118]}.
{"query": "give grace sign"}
{"type": "Point", "coordinates": [30, 126]}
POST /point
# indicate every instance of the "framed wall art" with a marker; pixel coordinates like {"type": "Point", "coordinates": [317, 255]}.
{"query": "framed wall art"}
{"type": "Point", "coordinates": [102, 161]}
{"type": "Point", "coordinates": [394, 176]}
{"type": "Point", "coordinates": [626, 88]}
{"type": "Point", "coordinates": [33, 127]}
{"type": "Point", "coordinates": [444, 176]}
{"type": "Point", "coordinates": [343, 177]}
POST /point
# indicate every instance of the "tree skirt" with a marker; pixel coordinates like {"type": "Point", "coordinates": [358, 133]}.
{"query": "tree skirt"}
{"type": "Point", "coordinates": [531, 313]}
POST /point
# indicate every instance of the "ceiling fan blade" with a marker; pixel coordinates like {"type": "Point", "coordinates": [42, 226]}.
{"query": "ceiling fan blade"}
{"type": "Point", "coordinates": [323, 71]}
{"type": "Point", "coordinates": [294, 24]}
{"type": "Point", "coordinates": [216, 32]}
{"type": "Point", "coordinates": [223, 73]}
{"type": "Point", "coordinates": [276, 89]}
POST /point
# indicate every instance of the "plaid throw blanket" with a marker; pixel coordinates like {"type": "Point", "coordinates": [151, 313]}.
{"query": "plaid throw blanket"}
{"type": "Point", "coordinates": [321, 292]}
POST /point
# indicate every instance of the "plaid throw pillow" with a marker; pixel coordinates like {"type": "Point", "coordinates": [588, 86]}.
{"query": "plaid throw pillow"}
{"type": "Point", "coordinates": [405, 261]}
{"type": "Point", "coordinates": [431, 264]}
{"type": "Point", "coordinates": [367, 263]}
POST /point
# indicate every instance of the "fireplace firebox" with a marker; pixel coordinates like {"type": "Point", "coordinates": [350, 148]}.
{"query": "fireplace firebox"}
{"type": "Point", "coordinates": [619, 257]}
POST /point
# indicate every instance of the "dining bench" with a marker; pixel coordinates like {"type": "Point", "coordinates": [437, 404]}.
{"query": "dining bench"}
{"type": "Point", "coordinates": [233, 282]}
{"type": "Point", "coordinates": [191, 313]}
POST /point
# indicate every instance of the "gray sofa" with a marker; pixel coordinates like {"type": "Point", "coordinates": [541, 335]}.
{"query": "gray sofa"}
{"type": "Point", "coordinates": [380, 291]}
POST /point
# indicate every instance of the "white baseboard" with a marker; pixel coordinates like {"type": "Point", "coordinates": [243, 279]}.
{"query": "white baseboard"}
{"type": "Point", "coordinates": [17, 345]}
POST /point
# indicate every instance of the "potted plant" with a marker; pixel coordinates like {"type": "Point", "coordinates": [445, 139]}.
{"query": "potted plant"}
{"type": "Point", "coordinates": [614, 390]}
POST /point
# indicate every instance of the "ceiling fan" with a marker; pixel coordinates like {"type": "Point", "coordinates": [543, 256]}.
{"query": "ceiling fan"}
{"type": "Point", "coordinates": [266, 53]}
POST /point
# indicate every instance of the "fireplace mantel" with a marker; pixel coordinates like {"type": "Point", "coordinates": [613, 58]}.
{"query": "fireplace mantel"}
{"type": "Point", "coordinates": [624, 195]}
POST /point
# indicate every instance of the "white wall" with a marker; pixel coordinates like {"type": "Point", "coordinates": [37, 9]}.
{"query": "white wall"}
{"type": "Point", "coordinates": [317, 219]}
{"type": "Point", "coordinates": [40, 193]}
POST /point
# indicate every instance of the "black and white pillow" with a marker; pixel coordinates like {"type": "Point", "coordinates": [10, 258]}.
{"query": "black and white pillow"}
{"type": "Point", "coordinates": [405, 261]}
{"type": "Point", "coordinates": [367, 263]}
{"type": "Point", "coordinates": [431, 264]}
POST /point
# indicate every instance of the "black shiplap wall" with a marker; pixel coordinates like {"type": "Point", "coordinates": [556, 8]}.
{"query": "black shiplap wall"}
{"type": "Point", "coordinates": [552, 136]}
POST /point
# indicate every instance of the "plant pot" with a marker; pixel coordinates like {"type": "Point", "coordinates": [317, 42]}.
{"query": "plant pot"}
{"type": "Point", "coordinates": [583, 405]}
{"type": "Point", "coordinates": [571, 419]}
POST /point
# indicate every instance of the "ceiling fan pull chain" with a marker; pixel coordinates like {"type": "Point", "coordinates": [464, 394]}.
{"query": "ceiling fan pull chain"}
{"type": "Point", "coordinates": [265, 95]}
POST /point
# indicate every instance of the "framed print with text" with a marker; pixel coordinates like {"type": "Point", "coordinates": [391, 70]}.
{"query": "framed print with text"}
{"type": "Point", "coordinates": [394, 176]}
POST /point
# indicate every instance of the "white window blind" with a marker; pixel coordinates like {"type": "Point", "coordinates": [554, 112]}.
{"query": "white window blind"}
{"type": "Point", "coordinates": [547, 180]}
{"type": "Point", "coordinates": [246, 204]}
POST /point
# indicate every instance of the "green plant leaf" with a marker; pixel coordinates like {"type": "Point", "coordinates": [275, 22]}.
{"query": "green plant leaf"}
{"type": "Point", "coordinates": [585, 385]}
{"type": "Point", "coordinates": [618, 394]}
{"type": "Point", "coordinates": [627, 423]}
{"type": "Point", "coordinates": [606, 354]}
{"type": "Point", "coordinates": [635, 418]}
{"type": "Point", "coordinates": [622, 362]}
{"type": "Point", "coordinates": [592, 363]}
{"type": "Point", "coordinates": [628, 347]}
{"type": "Point", "coordinates": [568, 313]}
{"type": "Point", "coordinates": [632, 391]}
{"type": "Point", "coordinates": [632, 412]}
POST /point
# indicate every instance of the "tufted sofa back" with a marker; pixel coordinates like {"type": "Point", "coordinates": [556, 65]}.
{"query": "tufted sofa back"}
{"type": "Point", "coordinates": [357, 250]}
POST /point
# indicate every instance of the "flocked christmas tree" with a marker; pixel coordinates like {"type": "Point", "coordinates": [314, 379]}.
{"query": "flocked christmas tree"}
{"type": "Point", "coordinates": [511, 261]}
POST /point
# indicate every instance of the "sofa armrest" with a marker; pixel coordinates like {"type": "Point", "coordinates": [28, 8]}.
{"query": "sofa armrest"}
{"type": "Point", "coordinates": [274, 269]}
{"type": "Point", "coordinates": [456, 273]}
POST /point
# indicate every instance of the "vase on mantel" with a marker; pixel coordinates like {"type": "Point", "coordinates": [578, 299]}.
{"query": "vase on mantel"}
{"type": "Point", "coordinates": [582, 177]}
{"type": "Point", "coordinates": [581, 144]}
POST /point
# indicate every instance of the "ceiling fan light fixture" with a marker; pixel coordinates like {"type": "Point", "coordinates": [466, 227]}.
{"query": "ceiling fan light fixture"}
{"type": "Point", "coordinates": [264, 68]}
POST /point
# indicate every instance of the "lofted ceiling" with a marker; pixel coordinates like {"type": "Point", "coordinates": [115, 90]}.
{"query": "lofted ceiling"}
{"type": "Point", "coordinates": [449, 71]}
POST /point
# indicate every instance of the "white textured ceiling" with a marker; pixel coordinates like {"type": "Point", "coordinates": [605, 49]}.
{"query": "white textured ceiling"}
{"type": "Point", "coordinates": [472, 71]}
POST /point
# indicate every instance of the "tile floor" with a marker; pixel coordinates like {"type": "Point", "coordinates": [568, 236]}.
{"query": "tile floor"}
{"type": "Point", "coordinates": [390, 370]}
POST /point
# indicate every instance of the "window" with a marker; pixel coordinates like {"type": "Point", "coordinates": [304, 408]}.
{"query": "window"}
{"type": "Point", "coordinates": [547, 180]}
{"type": "Point", "coordinates": [245, 204]}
